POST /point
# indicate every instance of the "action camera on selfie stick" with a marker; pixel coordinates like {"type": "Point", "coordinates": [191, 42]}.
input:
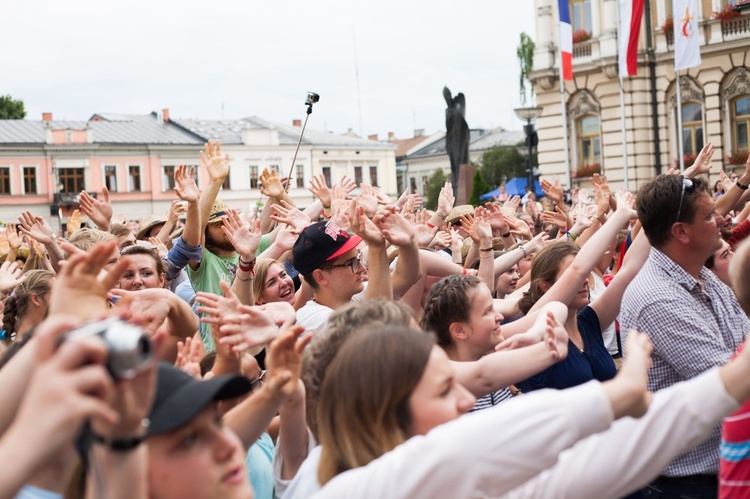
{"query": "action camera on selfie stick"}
{"type": "Point", "coordinates": [312, 98]}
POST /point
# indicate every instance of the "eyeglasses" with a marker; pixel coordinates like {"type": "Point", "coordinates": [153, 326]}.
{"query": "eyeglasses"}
{"type": "Point", "coordinates": [355, 264]}
{"type": "Point", "coordinates": [689, 187]}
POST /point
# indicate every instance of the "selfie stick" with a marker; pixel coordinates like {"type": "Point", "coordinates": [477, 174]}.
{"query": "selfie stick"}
{"type": "Point", "coordinates": [309, 103]}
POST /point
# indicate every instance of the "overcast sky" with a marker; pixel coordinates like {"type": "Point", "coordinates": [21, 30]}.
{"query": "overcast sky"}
{"type": "Point", "coordinates": [231, 59]}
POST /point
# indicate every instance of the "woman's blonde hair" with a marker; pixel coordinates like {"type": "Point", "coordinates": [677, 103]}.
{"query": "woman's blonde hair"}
{"type": "Point", "coordinates": [363, 410]}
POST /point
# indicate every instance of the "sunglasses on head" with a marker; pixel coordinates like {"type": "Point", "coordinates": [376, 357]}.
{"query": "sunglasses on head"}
{"type": "Point", "coordinates": [687, 186]}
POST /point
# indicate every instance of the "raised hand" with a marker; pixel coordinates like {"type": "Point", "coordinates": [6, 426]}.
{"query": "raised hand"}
{"type": "Point", "coordinates": [288, 214]}
{"type": "Point", "coordinates": [189, 357]}
{"type": "Point", "coordinates": [270, 184]}
{"type": "Point", "coordinates": [363, 226]}
{"type": "Point", "coordinates": [394, 227]}
{"type": "Point", "coordinates": [35, 227]}
{"type": "Point", "coordinates": [702, 163]}
{"type": "Point", "coordinates": [518, 227]}
{"type": "Point", "coordinates": [82, 284]}
{"type": "Point", "coordinates": [553, 191]}
{"type": "Point", "coordinates": [252, 327]}
{"type": "Point", "coordinates": [184, 184]}
{"type": "Point", "coordinates": [368, 199]}
{"type": "Point", "coordinates": [286, 237]}
{"type": "Point", "coordinates": [217, 307]}
{"type": "Point", "coordinates": [446, 200]}
{"type": "Point", "coordinates": [74, 223]}
{"type": "Point", "coordinates": [149, 306]}
{"type": "Point", "coordinates": [161, 248]}
{"type": "Point", "coordinates": [10, 276]}
{"type": "Point", "coordinates": [320, 189]}
{"type": "Point", "coordinates": [513, 202]}
{"type": "Point", "coordinates": [381, 196]}
{"type": "Point", "coordinates": [625, 200]}
{"type": "Point", "coordinates": [216, 166]}
{"type": "Point", "coordinates": [557, 217]}
{"type": "Point", "coordinates": [601, 197]}
{"type": "Point", "coordinates": [347, 184]}
{"type": "Point", "coordinates": [99, 211]}
{"type": "Point", "coordinates": [284, 359]}
{"type": "Point", "coordinates": [244, 238]}
{"type": "Point", "coordinates": [467, 223]}
{"type": "Point", "coordinates": [14, 240]}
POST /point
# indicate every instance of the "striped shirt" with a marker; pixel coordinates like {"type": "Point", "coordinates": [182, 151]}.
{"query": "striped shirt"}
{"type": "Point", "coordinates": [492, 399]}
{"type": "Point", "coordinates": [694, 326]}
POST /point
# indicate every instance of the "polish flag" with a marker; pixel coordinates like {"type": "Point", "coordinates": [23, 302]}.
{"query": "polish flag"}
{"type": "Point", "coordinates": [566, 40]}
{"type": "Point", "coordinates": [631, 13]}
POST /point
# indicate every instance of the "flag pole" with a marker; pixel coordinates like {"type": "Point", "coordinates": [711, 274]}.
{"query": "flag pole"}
{"type": "Point", "coordinates": [565, 124]}
{"type": "Point", "coordinates": [624, 136]}
{"type": "Point", "coordinates": [680, 146]}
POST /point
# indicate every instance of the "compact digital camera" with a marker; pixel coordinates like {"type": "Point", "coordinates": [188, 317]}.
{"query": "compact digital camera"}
{"type": "Point", "coordinates": [130, 348]}
{"type": "Point", "coordinates": [312, 98]}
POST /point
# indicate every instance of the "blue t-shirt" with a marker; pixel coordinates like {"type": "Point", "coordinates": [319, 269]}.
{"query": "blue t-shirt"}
{"type": "Point", "coordinates": [594, 363]}
{"type": "Point", "coordinates": [259, 466]}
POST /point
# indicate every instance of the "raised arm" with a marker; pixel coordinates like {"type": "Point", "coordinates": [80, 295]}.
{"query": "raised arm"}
{"type": "Point", "coordinates": [218, 170]}
{"type": "Point", "coordinates": [727, 202]}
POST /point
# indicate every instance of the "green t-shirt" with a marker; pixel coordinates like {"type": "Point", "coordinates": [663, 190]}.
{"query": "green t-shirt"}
{"type": "Point", "coordinates": [206, 278]}
{"type": "Point", "coordinates": [265, 242]}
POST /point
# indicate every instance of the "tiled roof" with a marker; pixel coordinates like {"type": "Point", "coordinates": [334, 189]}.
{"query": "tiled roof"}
{"type": "Point", "coordinates": [403, 145]}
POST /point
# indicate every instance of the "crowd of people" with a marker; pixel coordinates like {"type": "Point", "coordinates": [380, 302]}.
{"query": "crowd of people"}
{"type": "Point", "coordinates": [364, 346]}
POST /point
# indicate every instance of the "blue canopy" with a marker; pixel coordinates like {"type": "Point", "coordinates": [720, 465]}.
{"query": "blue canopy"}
{"type": "Point", "coordinates": [515, 187]}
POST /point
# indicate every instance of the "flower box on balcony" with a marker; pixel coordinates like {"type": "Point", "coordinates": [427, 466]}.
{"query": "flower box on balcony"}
{"type": "Point", "coordinates": [581, 35]}
{"type": "Point", "coordinates": [736, 157]}
{"type": "Point", "coordinates": [689, 160]}
{"type": "Point", "coordinates": [726, 14]}
{"type": "Point", "coordinates": [585, 171]}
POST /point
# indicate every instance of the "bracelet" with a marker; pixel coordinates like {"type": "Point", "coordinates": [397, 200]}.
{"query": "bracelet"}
{"type": "Point", "coordinates": [123, 444]}
{"type": "Point", "coordinates": [525, 255]}
{"type": "Point", "coordinates": [515, 393]}
{"type": "Point", "coordinates": [486, 249]}
{"type": "Point", "coordinates": [430, 225]}
{"type": "Point", "coordinates": [245, 280]}
{"type": "Point", "coordinates": [571, 235]}
{"type": "Point", "coordinates": [597, 217]}
{"type": "Point", "coordinates": [247, 267]}
{"type": "Point", "coordinates": [327, 207]}
{"type": "Point", "coordinates": [507, 234]}
{"type": "Point", "coordinates": [741, 186]}
{"type": "Point", "coordinates": [464, 271]}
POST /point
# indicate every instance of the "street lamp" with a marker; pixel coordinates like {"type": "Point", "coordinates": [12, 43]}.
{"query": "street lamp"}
{"type": "Point", "coordinates": [529, 114]}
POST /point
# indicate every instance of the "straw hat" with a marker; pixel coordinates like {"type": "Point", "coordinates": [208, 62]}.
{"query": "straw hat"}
{"type": "Point", "coordinates": [459, 211]}
{"type": "Point", "coordinates": [147, 224]}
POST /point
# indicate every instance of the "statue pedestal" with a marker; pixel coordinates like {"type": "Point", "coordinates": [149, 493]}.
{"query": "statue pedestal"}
{"type": "Point", "coordinates": [465, 184]}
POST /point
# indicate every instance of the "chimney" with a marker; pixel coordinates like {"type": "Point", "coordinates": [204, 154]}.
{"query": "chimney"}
{"type": "Point", "coordinates": [391, 135]}
{"type": "Point", "coordinates": [46, 116]}
{"type": "Point", "coordinates": [165, 113]}
{"type": "Point", "coordinates": [296, 122]}
{"type": "Point", "coordinates": [419, 132]}
{"type": "Point", "coordinates": [373, 136]}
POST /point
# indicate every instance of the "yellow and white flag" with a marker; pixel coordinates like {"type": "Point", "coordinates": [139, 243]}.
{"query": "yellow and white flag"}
{"type": "Point", "coordinates": [687, 53]}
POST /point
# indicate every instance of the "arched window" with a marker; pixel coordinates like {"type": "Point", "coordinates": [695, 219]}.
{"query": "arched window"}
{"type": "Point", "coordinates": [693, 139]}
{"type": "Point", "coordinates": [692, 128]}
{"type": "Point", "coordinates": [740, 122]}
{"type": "Point", "coordinates": [586, 134]}
{"type": "Point", "coordinates": [735, 102]}
{"type": "Point", "coordinates": [589, 141]}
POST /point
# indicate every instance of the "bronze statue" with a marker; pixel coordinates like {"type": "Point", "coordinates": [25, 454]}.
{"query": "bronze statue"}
{"type": "Point", "coordinates": [457, 134]}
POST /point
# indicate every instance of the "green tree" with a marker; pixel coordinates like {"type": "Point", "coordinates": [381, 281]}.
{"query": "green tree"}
{"type": "Point", "coordinates": [525, 54]}
{"type": "Point", "coordinates": [437, 181]}
{"type": "Point", "coordinates": [502, 163]}
{"type": "Point", "coordinates": [479, 187]}
{"type": "Point", "coordinates": [11, 109]}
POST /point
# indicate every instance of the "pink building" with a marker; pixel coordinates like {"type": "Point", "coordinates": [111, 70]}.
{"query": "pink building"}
{"type": "Point", "coordinates": [45, 164]}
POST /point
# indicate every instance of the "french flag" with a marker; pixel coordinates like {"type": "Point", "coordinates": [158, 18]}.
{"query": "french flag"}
{"type": "Point", "coordinates": [566, 39]}
{"type": "Point", "coordinates": [631, 13]}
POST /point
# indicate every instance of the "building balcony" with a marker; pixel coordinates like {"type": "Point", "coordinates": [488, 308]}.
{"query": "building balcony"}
{"type": "Point", "coordinates": [583, 50]}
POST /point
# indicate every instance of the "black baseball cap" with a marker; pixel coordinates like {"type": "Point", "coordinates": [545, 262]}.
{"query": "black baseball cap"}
{"type": "Point", "coordinates": [180, 397]}
{"type": "Point", "coordinates": [319, 243]}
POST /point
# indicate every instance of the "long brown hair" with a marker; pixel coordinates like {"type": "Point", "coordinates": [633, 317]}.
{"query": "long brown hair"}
{"type": "Point", "coordinates": [448, 302]}
{"type": "Point", "coordinates": [544, 269]}
{"type": "Point", "coordinates": [363, 410]}
{"type": "Point", "coordinates": [38, 282]}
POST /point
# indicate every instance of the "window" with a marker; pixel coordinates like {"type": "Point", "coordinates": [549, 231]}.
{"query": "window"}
{"type": "Point", "coordinates": [134, 178]}
{"type": "Point", "coordinates": [71, 179]}
{"type": "Point", "coordinates": [5, 180]}
{"type": "Point", "coordinates": [167, 180]}
{"type": "Point", "coordinates": [412, 185]}
{"type": "Point", "coordinates": [110, 178]}
{"type": "Point", "coordinates": [374, 175]}
{"type": "Point", "coordinates": [580, 15]}
{"type": "Point", "coordinates": [300, 176]}
{"type": "Point", "coordinates": [692, 128]}
{"type": "Point", "coordinates": [425, 184]}
{"type": "Point", "coordinates": [357, 175]}
{"type": "Point", "coordinates": [275, 168]}
{"type": "Point", "coordinates": [29, 180]}
{"type": "Point", "coordinates": [226, 185]}
{"type": "Point", "coordinates": [741, 123]}
{"type": "Point", "coordinates": [589, 141]}
{"type": "Point", "coordinates": [327, 175]}
{"type": "Point", "coordinates": [253, 176]}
